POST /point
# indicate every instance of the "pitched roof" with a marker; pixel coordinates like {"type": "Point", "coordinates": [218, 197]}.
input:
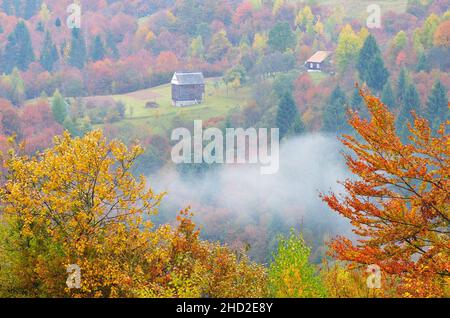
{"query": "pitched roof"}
{"type": "Point", "coordinates": [319, 57]}
{"type": "Point", "coordinates": [188, 78]}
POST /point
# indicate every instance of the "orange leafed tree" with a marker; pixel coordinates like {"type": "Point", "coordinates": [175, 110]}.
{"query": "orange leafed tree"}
{"type": "Point", "coordinates": [399, 202]}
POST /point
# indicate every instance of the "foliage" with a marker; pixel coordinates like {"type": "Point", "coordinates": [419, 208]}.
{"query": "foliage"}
{"type": "Point", "coordinates": [387, 96]}
{"type": "Point", "coordinates": [411, 103]}
{"type": "Point", "coordinates": [78, 203]}
{"type": "Point", "coordinates": [78, 51]}
{"type": "Point", "coordinates": [438, 105]}
{"type": "Point", "coordinates": [344, 282]}
{"type": "Point", "coordinates": [399, 204]}
{"type": "Point", "coordinates": [97, 49]}
{"type": "Point", "coordinates": [49, 53]}
{"type": "Point", "coordinates": [371, 66]}
{"type": "Point", "coordinates": [288, 118]}
{"type": "Point", "coordinates": [290, 274]}
{"type": "Point", "coordinates": [59, 107]}
{"type": "Point", "coordinates": [18, 51]}
{"type": "Point", "coordinates": [402, 84]}
{"type": "Point", "coordinates": [281, 37]}
{"type": "Point", "coordinates": [334, 117]}
{"type": "Point", "coordinates": [349, 45]}
{"type": "Point", "coordinates": [220, 45]}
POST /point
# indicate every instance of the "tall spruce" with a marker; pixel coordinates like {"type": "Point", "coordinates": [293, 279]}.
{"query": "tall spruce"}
{"type": "Point", "coordinates": [78, 52]}
{"type": "Point", "coordinates": [30, 8]}
{"type": "Point", "coordinates": [437, 106]}
{"type": "Point", "coordinates": [97, 49]}
{"type": "Point", "coordinates": [423, 63]}
{"type": "Point", "coordinates": [21, 8]}
{"type": "Point", "coordinates": [387, 96]}
{"type": "Point", "coordinates": [411, 103]}
{"type": "Point", "coordinates": [334, 117]}
{"type": "Point", "coordinates": [49, 53]}
{"type": "Point", "coordinates": [17, 7]}
{"type": "Point", "coordinates": [357, 100]}
{"type": "Point", "coordinates": [18, 50]}
{"type": "Point", "coordinates": [7, 7]}
{"type": "Point", "coordinates": [281, 37]}
{"type": "Point", "coordinates": [357, 103]}
{"type": "Point", "coordinates": [402, 85]}
{"type": "Point", "coordinates": [288, 118]}
{"type": "Point", "coordinates": [111, 44]}
{"type": "Point", "coordinates": [371, 65]}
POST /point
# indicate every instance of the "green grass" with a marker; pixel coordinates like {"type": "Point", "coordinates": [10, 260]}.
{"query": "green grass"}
{"type": "Point", "coordinates": [217, 104]}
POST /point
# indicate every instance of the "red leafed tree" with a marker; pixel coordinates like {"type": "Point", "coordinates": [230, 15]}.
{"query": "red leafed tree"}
{"type": "Point", "coordinates": [10, 123]}
{"type": "Point", "coordinates": [303, 86]}
{"type": "Point", "coordinates": [39, 126]}
{"type": "Point", "coordinates": [399, 204]}
{"type": "Point", "coordinates": [243, 11]}
{"type": "Point", "coordinates": [166, 61]}
{"type": "Point", "coordinates": [442, 34]}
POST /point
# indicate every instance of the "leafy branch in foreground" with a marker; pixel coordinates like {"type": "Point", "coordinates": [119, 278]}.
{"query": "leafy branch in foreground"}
{"type": "Point", "coordinates": [399, 204]}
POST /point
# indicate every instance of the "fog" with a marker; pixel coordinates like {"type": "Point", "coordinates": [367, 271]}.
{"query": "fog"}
{"type": "Point", "coordinates": [232, 198]}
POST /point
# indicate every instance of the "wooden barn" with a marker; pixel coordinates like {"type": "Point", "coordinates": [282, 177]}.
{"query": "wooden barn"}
{"type": "Point", "coordinates": [319, 62]}
{"type": "Point", "coordinates": [187, 89]}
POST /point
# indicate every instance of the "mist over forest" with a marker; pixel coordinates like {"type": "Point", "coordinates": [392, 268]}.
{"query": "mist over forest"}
{"type": "Point", "coordinates": [238, 199]}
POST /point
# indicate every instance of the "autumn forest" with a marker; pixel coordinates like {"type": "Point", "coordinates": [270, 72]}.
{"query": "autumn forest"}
{"type": "Point", "coordinates": [352, 98]}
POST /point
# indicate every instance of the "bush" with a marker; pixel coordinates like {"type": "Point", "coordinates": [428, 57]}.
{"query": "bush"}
{"type": "Point", "coordinates": [290, 274]}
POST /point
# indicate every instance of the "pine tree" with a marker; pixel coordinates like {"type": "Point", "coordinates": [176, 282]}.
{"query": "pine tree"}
{"type": "Point", "coordinates": [17, 4]}
{"type": "Point", "coordinates": [378, 76]}
{"type": "Point", "coordinates": [387, 96]}
{"type": "Point", "coordinates": [287, 116]}
{"type": "Point", "coordinates": [437, 106]}
{"type": "Point", "coordinates": [40, 27]}
{"type": "Point", "coordinates": [31, 8]}
{"type": "Point", "coordinates": [77, 54]}
{"type": "Point", "coordinates": [411, 103]}
{"type": "Point", "coordinates": [298, 127]}
{"type": "Point", "coordinates": [18, 51]}
{"type": "Point", "coordinates": [58, 22]}
{"type": "Point", "coordinates": [357, 103]}
{"type": "Point", "coordinates": [423, 64]}
{"type": "Point", "coordinates": [59, 107]}
{"type": "Point", "coordinates": [49, 54]}
{"type": "Point", "coordinates": [111, 43]}
{"type": "Point", "coordinates": [7, 7]}
{"type": "Point", "coordinates": [281, 37]}
{"type": "Point", "coordinates": [357, 100]}
{"type": "Point", "coordinates": [334, 117]}
{"type": "Point", "coordinates": [97, 49]}
{"type": "Point", "coordinates": [402, 85]}
{"type": "Point", "coordinates": [371, 65]}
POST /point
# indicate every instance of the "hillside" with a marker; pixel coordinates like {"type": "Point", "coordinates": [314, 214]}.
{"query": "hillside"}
{"type": "Point", "coordinates": [218, 102]}
{"type": "Point", "coordinates": [340, 175]}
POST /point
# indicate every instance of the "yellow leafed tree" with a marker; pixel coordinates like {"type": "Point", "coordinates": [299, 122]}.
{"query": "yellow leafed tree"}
{"type": "Point", "coordinates": [78, 203]}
